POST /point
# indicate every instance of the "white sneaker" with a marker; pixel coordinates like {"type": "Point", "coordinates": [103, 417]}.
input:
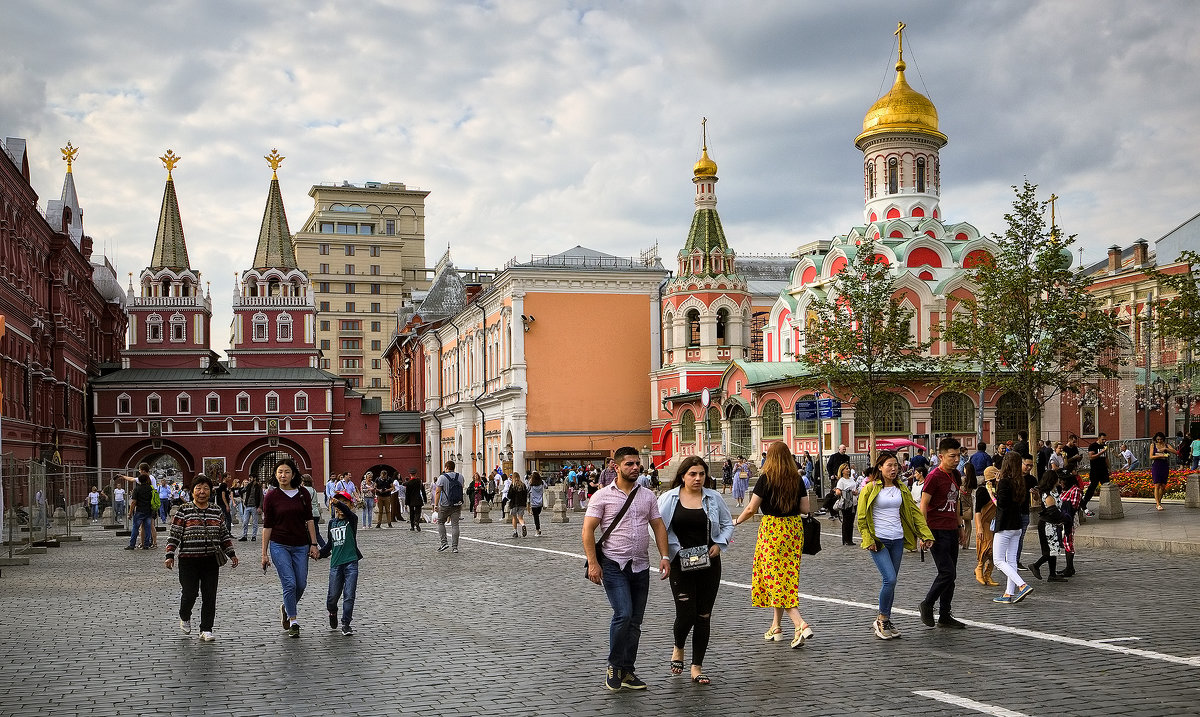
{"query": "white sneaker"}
{"type": "Point", "coordinates": [207, 636]}
{"type": "Point", "coordinates": [185, 626]}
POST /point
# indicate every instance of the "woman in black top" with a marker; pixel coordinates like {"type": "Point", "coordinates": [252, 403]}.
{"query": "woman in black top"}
{"type": "Point", "coordinates": [1011, 495]}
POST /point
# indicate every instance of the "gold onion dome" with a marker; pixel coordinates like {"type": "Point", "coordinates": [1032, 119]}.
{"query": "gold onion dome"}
{"type": "Point", "coordinates": [705, 167]}
{"type": "Point", "coordinates": [902, 109]}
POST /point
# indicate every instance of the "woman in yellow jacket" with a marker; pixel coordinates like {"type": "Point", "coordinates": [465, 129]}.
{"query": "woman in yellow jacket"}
{"type": "Point", "coordinates": [889, 522]}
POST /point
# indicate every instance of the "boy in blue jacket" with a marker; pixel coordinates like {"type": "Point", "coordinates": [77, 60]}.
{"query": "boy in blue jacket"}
{"type": "Point", "coordinates": [342, 550]}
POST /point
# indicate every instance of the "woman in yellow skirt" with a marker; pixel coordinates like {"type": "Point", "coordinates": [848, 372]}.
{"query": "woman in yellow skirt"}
{"type": "Point", "coordinates": [781, 494]}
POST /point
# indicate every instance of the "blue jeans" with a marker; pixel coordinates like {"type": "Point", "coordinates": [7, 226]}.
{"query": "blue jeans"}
{"type": "Point", "coordinates": [627, 593]}
{"type": "Point", "coordinates": [291, 562]}
{"type": "Point", "coordinates": [368, 509]}
{"type": "Point", "coordinates": [1021, 541]}
{"type": "Point", "coordinates": [343, 580]}
{"type": "Point", "coordinates": [140, 520]}
{"type": "Point", "coordinates": [119, 510]}
{"type": "Point", "coordinates": [95, 511]}
{"type": "Point", "coordinates": [249, 515]}
{"type": "Point", "coordinates": [887, 560]}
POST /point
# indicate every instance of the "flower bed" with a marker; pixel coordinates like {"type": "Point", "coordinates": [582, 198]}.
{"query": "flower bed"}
{"type": "Point", "coordinates": [1137, 484]}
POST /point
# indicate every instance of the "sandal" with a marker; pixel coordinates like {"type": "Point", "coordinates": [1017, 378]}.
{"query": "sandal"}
{"type": "Point", "coordinates": [676, 667]}
{"type": "Point", "coordinates": [701, 679]}
{"type": "Point", "coordinates": [806, 631]}
{"type": "Point", "coordinates": [774, 634]}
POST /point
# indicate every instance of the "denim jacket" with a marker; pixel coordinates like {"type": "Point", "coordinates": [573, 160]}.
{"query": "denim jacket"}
{"type": "Point", "coordinates": [720, 521]}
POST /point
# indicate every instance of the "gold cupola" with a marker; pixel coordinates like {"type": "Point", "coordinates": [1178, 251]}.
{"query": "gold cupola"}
{"type": "Point", "coordinates": [705, 167]}
{"type": "Point", "coordinates": [902, 109]}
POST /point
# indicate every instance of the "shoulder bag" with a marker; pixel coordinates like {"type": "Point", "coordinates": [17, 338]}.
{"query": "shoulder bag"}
{"type": "Point", "coordinates": [222, 558]}
{"type": "Point", "coordinates": [812, 536]}
{"type": "Point", "coordinates": [605, 534]}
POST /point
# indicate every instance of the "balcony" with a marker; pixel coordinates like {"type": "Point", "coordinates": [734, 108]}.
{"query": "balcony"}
{"type": "Point", "coordinates": [176, 302]}
{"type": "Point", "coordinates": [297, 302]}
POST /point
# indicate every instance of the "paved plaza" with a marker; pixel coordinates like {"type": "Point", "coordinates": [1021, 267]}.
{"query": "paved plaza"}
{"type": "Point", "coordinates": [511, 627]}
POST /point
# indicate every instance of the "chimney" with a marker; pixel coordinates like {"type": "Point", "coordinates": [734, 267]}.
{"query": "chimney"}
{"type": "Point", "coordinates": [1114, 259]}
{"type": "Point", "coordinates": [1140, 249]}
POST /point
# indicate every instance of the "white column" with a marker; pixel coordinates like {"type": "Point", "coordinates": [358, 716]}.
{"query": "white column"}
{"type": "Point", "coordinates": [517, 335]}
{"type": "Point", "coordinates": [656, 353]}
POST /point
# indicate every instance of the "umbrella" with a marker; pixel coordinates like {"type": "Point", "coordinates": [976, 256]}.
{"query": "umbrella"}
{"type": "Point", "coordinates": [894, 444]}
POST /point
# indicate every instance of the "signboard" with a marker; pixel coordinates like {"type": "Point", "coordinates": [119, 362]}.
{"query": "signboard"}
{"type": "Point", "coordinates": [705, 398]}
{"type": "Point", "coordinates": [806, 410]}
{"type": "Point", "coordinates": [829, 408]}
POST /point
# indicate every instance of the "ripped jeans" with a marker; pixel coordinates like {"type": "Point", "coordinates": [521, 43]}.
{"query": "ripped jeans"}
{"type": "Point", "coordinates": [695, 593]}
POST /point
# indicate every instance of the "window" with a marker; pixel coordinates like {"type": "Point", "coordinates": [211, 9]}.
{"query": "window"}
{"type": "Point", "coordinates": [376, 364]}
{"type": "Point", "coordinates": [722, 320]}
{"type": "Point", "coordinates": [183, 403]}
{"type": "Point", "coordinates": [301, 402]}
{"type": "Point", "coordinates": [871, 179]}
{"type": "Point", "coordinates": [953, 413]}
{"type": "Point", "coordinates": [374, 288]}
{"type": "Point", "coordinates": [687, 427]}
{"type": "Point", "coordinates": [323, 287]}
{"type": "Point", "coordinates": [124, 405]}
{"type": "Point", "coordinates": [243, 402]}
{"type": "Point", "coordinates": [154, 327]}
{"type": "Point", "coordinates": [178, 327]}
{"type": "Point", "coordinates": [366, 229]}
{"type": "Point", "coordinates": [390, 228]}
{"type": "Point", "coordinates": [713, 429]}
{"type": "Point", "coordinates": [376, 383]}
{"type": "Point", "coordinates": [892, 417]}
{"type": "Point", "coordinates": [349, 269]}
{"type": "Point", "coordinates": [323, 249]}
{"type": "Point", "coordinates": [375, 326]}
{"type": "Point", "coordinates": [374, 270]}
{"type": "Point", "coordinates": [326, 228]}
{"type": "Point", "coordinates": [259, 326]}
{"type": "Point", "coordinates": [375, 309]}
{"type": "Point", "coordinates": [272, 402]}
{"type": "Point", "coordinates": [376, 345]}
{"type": "Point", "coordinates": [350, 249]}
{"type": "Point", "coordinates": [283, 327]}
{"type": "Point", "coordinates": [153, 404]}
{"type": "Point", "coordinates": [324, 307]}
{"type": "Point", "coordinates": [920, 174]}
{"type": "Point", "coordinates": [349, 307]}
{"type": "Point", "coordinates": [349, 289]}
{"type": "Point", "coordinates": [772, 419]}
{"type": "Point", "coordinates": [323, 269]}
{"type": "Point", "coordinates": [353, 344]}
{"type": "Point", "coordinates": [893, 176]}
{"type": "Point", "coordinates": [325, 364]}
{"type": "Point", "coordinates": [354, 381]}
{"type": "Point", "coordinates": [214, 403]}
{"type": "Point", "coordinates": [352, 362]}
{"type": "Point", "coordinates": [693, 319]}
{"type": "Point", "coordinates": [325, 323]}
{"type": "Point", "coordinates": [324, 343]}
{"type": "Point", "coordinates": [374, 250]}
{"type": "Point", "coordinates": [350, 325]}
{"type": "Point", "coordinates": [343, 228]}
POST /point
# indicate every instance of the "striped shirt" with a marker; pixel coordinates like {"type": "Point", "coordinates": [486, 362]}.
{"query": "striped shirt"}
{"type": "Point", "coordinates": [630, 540]}
{"type": "Point", "coordinates": [197, 532]}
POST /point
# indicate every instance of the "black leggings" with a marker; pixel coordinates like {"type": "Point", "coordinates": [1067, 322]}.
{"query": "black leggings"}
{"type": "Point", "coordinates": [695, 593]}
{"type": "Point", "coordinates": [1044, 542]}
{"type": "Point", "coordinates": [537, 518]}
{"type": "Point", "coordinates": [848, 520]}
{"type": "Point", "coordinates": [198, 575]}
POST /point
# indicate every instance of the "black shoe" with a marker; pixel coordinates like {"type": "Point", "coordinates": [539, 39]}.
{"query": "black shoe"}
{"type": "Point", "coordinates": [926, 614]}
{"type": "Point", "coordinates": [242, 539]}
{"type": "Point", "coordinates": [631, 681]}
{"type": "Point", "coordinates": [129, 547]}
{"type": "Point", "coordinates": [254, 539]}
{"type": "Point", "coordinates": [333, 623]}
{"type": "Point", "coordinates": [283, 618]}
{"type": "Point", "coordinates": [1058, 578]}
{"type": "Point", "coordinates": [294, 631]}
{"type": "Point", "coordinates": [612, 678]}
{"type": "Point", "coordinates": [1068, 572]}
{"type": "Point", "coordinates": [949, 621]}
{"type": "Point", "coordinates": [1037, 572]}
{"type": "Point", "coordinates": [1021, 566]}
{"type": "Point", "coordinates": [443, 547]}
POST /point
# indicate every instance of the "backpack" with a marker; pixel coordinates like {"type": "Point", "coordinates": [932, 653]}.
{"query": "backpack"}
{"type": "Point", "coordinates": [454, 490]}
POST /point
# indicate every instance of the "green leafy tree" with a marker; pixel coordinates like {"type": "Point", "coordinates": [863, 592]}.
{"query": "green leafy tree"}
{"type": "Point", "coordinates": [1032, 328]}
{"type": "Point", "coordinates": [860, 343]}
{"type": "Point", "coordinates": [1179, 317]}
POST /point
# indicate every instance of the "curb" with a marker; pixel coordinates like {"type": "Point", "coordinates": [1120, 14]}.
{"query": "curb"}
{"type": "Point", "coordinates": [1174, 547]}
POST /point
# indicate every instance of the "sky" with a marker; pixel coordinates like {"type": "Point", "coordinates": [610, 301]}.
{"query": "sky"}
{"type": "Point", "coordinates": [539, 124]}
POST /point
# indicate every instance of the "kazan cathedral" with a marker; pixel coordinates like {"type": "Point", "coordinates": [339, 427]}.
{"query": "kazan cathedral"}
{"type": "Point", "coordinates": [710, 400]}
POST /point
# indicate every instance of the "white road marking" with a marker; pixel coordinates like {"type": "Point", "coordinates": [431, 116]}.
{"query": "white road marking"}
{"type": "Point", "coordinates": [1117, 639]}
{"type": "Point", "coordinates": [969, 704]}
{"type": "Point", "coordinates": [1103, 645]}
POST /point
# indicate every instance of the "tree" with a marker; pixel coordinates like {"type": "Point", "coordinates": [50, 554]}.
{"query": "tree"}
{"type": "Point", "coordinates": [860, 340]}
{"type": "Point", "coordinates": [1179, 319]}
{"type": "Point", "coordinates": [1032, 328]}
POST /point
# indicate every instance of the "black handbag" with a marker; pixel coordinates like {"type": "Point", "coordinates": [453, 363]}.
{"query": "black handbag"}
{"type": "Point", "coordinates": [604, 535]}
{"type": "Point", "coordinates": [812, 535]}
{"type": "Point", "coordinates": [1052, 514]}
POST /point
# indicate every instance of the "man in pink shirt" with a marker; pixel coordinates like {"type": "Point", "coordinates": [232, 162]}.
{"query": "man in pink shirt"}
{"type": "Point", "coordinates": [624, 568]}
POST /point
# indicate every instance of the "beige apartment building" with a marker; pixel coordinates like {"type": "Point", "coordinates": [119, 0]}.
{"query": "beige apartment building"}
{"type": "Point", "coordinates": [363, 247]}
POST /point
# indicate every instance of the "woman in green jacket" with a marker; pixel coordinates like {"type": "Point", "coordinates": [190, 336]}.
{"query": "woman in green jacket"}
{"type": "Point", "coordinates": [889, 521]}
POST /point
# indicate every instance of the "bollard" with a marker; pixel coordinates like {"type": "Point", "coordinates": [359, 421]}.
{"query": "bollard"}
{"type": "Point", "coordinates": [560, 513]}
{"type": "Point", "coordinates": [60, 518]}
{"type": "Point", "coordinates": [82, 518]}
{"type": "Point", "coordinates": [485, 509]}
{"type": "Point", "coordinates": [1110, 502]}
{"type": "Point", "coordinates": [548, 498]}
{"type": "Point", "coordinates": [1192, 496]}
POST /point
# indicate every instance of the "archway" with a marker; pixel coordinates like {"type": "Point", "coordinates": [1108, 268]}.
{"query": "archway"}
{"type": "Point", "coordinates": [263, 467]}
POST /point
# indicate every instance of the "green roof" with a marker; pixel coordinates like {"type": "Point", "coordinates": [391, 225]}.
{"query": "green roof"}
{"type": "Point", "coordinates": [765, 372]}
{"type": "Point", "coordinates": [170, 252]}
{"type": "Point", "coordinates": [275, 248]}
{"type": "Point", "coordinates": [705, 235]}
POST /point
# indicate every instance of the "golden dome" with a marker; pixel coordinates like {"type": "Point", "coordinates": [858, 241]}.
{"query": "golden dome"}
{"type": "Point", "coordinates": [705, 167]}
{"type": "Point", "coordinates": [901, 109]}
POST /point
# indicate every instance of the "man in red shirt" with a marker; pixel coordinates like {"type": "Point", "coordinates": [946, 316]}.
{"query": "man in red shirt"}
{"type": "Point", "coordinates": [939, 503]}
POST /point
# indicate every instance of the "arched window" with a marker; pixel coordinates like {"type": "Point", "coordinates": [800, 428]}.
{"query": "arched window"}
{"type": "Point", "coordinates": [722, 320]}
{"type": "Point", "coordinates": [739, 433]}
{"type": "Point", "coordinates": [920, 174]}
{"type": "Point", "coordinates": [693, 319]}
{"type": "Point", "coordinates": [259, 326]}
{"type": "Point", "coordinates": [713, 434]}
{"type": "Point", "coordinates": [1011, 417]}
{"type": "Point", "coordinates": [892, 417]}
{"type": "Point", "coordinates": [772, 419]}
{"type": "Point", "coordinates": [953, 413]}
{"type": "Point", "coordinates": [154, 327]}
{"type": "Point", "coordinates": [687, 427]}
{"type": "Point", "coordinates": [283, 328]}
{"type": "Point", "coordinates": [893, 176]}
{"type": "Point", "coordinates": [871, 180]}
{"type": "Point", "coordinates": [178, 327]}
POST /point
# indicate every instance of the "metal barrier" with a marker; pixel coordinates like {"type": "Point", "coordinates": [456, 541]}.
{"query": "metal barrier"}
{"type": "Point", "coordinates": [41, 500]}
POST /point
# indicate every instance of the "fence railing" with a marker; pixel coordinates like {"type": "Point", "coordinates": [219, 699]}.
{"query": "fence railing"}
{"type": "Point", "coordinates": [36, 491]}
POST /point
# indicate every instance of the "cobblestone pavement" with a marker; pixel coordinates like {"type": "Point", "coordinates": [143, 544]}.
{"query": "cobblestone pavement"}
{"type": "Point", "coordinates": [505, 630]}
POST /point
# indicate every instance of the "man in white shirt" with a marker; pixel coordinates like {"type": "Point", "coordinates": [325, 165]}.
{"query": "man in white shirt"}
{"type": "Point", "coordinates": [1128, 457]}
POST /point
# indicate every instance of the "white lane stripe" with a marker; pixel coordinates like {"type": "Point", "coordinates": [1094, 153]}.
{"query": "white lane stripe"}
{"type": "Point", "coordinates": [969, 704]}
{"type": "Point", "coordinates": [1020, 631]}
{"type": "Point", "coordinates": [1117, 639]}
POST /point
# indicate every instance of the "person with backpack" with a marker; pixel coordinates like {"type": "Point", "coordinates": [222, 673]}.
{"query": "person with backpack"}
{"type": "Point", "coordinates": [448, 497]}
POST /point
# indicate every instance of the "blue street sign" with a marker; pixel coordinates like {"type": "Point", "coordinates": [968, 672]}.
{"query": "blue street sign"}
{"type": "Point", "coordinates": [806, 410]}
{"type": "Point", "coordinates": [830, 408]}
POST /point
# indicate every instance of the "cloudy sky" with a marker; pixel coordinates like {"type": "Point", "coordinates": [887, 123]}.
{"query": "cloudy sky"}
{"type": "Point", "coordinates": [539, 125]}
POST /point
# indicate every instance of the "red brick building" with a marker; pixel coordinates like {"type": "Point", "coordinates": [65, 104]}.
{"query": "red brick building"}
{"type": "Point", "coordinates": [176, 405]}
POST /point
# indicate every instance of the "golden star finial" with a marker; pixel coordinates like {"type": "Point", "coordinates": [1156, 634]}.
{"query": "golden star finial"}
{"type": "Point", "coordinates": [69, 153]}
{"type": "Point", "coordinates": [169, 160]}
{"type": "Point", "coordinates": [274, 159]}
